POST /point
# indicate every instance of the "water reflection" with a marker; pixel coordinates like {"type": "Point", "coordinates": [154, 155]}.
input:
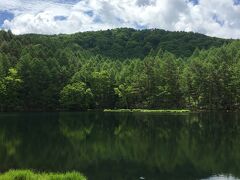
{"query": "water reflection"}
{"type": "Point", "coordinates": [222, 177]}
{"type": "Point", "coordinates": [123, 145]}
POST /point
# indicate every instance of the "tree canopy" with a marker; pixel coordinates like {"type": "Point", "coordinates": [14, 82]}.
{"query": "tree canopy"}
{"type": "Point", "coordinates": [120, 68]}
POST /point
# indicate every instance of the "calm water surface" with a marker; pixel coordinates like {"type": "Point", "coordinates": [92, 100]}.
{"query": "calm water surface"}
{"type": "Point", "coordinates": [123, 146]}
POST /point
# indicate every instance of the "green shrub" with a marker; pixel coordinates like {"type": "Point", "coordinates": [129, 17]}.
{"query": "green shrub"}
{"type": "Point", "coordinates": [30, 175]}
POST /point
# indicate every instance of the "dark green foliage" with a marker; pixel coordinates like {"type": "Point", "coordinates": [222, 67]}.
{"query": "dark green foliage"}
{"type": "Point", "coordinates": [120, 68]}
{"type": "Point", "coordinates": [130, 43]}
{"type": "Point", "coordinates": [117, 43]}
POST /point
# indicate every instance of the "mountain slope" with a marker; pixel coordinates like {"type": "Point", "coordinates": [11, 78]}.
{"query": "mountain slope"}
{"type": "Point", "coordinates": [122, 43]}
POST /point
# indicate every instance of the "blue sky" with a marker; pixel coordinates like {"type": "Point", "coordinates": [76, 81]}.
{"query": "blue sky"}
{"type": "Point", "coordinates": [195, 2]}
{"type": "Point", "coordinates": [5, 15]}
{"type": "Point", "coordinates": [219, 18]}
{"type": "Point", "coordinates": [236, 2]}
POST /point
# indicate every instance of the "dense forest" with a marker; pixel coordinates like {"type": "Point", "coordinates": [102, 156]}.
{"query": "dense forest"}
{"type": "Point", "coordinates": [120, 68]}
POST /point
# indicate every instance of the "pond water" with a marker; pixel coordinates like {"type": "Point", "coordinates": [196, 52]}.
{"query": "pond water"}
{"type": "Point", "coordinates": [123, 146]}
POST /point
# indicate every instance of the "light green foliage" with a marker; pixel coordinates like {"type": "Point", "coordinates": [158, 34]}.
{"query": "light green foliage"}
{"type": "Point", "coordinates": [10, 87]}
{"type": "Point", "coordinates": [3, 92]}
{"type": "Point", "coordinates": [209, 80]}
{"type": "Point", "coordinates": [102, 87]}
{"type": "Point", "coordinates": [121, 68]}
{"type": "Point", "coordinates": [12, 77]}
{"type": "Point", "coordinates": [124, 93]}
{"type": "Point", "coordinates": [76, 96]}
{"type": "Point", "coordinates": [30, 175]}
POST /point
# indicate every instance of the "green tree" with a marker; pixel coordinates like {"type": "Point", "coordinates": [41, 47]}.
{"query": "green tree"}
{"type": "Point", "coordinates": [76, 96]}
{"type": "Point", "coordinates": [10, 88]}
{"type": "Point", "coordinates": [102, 88]}
{"type": "Point", "coordinates": [168, 90]}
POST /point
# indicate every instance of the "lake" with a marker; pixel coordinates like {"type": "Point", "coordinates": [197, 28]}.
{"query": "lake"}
{"type": "Point", "coordinates": [123, 146]}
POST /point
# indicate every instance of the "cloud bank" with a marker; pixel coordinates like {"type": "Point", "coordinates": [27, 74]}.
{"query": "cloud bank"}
{"type": "Point", "coordinates": [219, 18]}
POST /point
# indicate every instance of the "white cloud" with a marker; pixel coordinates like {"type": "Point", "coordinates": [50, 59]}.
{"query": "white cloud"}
{"type": "Point", "coordinates": [215, 18]}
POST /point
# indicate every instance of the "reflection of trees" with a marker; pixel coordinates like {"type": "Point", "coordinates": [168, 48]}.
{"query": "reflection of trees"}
{"type": "Point", "coordinates": [35, 142]}
{"type": "Point", "coordinates": [8, 148]}
{"type": "Point", "coordinates": [195, 145]}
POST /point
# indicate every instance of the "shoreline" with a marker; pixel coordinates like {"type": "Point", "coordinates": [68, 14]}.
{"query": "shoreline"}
{"type": "Point", "coordinates": [149, 110]}
{"type": "Point", "coordinates": [125, 111]}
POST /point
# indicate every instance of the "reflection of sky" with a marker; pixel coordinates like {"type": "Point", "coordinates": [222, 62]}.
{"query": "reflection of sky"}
{"type": "Point", "coordinates": [221, 177]}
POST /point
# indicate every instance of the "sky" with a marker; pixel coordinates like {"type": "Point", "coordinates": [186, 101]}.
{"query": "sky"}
{"type": "Point", "coordinates": [219, 18]}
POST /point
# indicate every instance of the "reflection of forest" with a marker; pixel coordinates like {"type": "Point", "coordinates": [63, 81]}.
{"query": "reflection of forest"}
{"type": "Point", "coordinates": [184, 146]}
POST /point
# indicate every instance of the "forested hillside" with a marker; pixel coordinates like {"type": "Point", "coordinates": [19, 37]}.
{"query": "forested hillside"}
{"type": "Point", "coordinates": [120, 43]}
{"type": "Point", "coordinates": [121, 68]}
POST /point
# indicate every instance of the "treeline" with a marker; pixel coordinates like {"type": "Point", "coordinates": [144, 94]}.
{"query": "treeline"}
{"type": "Point", "coordinates": [49, 76]}
{"type": "Point", "coordinates": [130, 43]}
{"type": "Point", "coordinates": [120, 43]}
